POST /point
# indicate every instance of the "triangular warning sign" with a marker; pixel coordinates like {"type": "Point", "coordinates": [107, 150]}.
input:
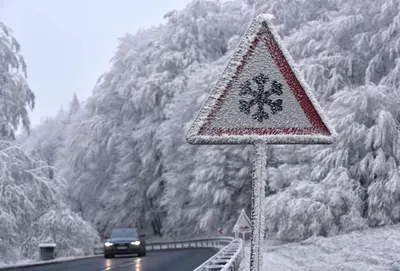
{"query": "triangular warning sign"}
{"type": "Point", "coordinates": [243, 223]}
{"type": "Point", "coordinates": [261, 97]}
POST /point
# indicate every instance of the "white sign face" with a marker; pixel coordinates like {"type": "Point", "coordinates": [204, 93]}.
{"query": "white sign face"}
{"type": "Point", "coordinates": [278, 104]}
{"type": "Point", "coordinates": [261, 97]}
{"type": "Point", "coordinates": [243, 223]}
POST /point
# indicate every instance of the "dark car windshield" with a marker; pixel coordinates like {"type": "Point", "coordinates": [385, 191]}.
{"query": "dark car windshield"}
{"type": "Point", "coordinates": [121, 233]}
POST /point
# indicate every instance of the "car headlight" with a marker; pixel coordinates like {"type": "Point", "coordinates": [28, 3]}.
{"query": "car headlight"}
{"type": "Point", "coordinates": [108, 244]}
{"type": "Point", "coordinates": [136, 243]}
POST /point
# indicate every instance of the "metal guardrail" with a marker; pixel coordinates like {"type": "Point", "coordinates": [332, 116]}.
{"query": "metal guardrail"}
{"type": "Point", "coordinates": [98, 250]}
{"type": "Point", "coordinates": [227, 259]}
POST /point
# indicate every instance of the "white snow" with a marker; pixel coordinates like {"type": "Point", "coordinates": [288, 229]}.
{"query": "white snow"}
{"type": "Point", "coordinates": [26, 263]}
{"type": "Point", "coordinates": [370, 250]}
{"type": "Point", "coordinates": [48, 245]}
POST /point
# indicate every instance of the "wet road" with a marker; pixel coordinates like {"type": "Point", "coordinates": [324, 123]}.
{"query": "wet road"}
{"type": "Point", "coordinates": [172, 260]}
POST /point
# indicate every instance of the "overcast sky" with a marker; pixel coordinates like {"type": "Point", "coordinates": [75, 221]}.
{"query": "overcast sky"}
{"type": "Point", "coordinates": [67, 44]}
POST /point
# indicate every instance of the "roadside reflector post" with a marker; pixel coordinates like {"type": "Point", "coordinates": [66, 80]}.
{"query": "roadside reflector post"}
{"type": "Point", "coordinates": [47, 251]}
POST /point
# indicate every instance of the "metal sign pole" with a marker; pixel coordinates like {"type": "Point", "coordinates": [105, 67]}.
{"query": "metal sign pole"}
{"type": "Point", "coordinates": [258, 197]}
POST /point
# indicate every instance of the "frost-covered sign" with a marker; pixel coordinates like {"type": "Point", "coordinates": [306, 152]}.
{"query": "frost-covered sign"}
{"type": "Point", "coordinates": [261, 96]}
{"type": "Point", "coordinates": [243, 223]}
{"type": "Point", "coordinates": [259, 99]}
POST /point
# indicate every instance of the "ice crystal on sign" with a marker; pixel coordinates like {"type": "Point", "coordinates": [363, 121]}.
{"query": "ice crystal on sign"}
{"type": "Point", "coordinates": [260, 97]}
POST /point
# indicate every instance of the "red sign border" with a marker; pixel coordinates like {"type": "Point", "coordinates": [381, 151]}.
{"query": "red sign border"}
{"type": "Point", "coordinates": [321, 131]}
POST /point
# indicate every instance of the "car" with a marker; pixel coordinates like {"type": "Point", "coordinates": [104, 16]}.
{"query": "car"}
{"type": "Point", "coordinates": [125, 241]}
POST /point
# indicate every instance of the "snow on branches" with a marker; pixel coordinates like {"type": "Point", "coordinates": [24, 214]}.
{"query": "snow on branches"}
{"type": "Point", "coordinates": [73, 235]}
{"type": "Point", "coordinates": [29, 190]}
{"type": "Point", "coordinates": [15, 93]}
{"type": "Point", "coordinates": [308, 209]}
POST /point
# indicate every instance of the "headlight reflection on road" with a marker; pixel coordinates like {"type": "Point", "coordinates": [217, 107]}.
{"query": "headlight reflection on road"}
{"type": "Point", "coordinates": [137, 265]}
{"type": "Point", "coordinates": [108, 265]}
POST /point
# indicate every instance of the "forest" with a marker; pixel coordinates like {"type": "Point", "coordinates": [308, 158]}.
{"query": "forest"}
{"type": "Point", "coordinates": [120, 158]}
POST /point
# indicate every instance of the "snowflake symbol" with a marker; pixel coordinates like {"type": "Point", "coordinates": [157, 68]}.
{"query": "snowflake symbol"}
{"type": "Point", "coordinates": [260, 97]}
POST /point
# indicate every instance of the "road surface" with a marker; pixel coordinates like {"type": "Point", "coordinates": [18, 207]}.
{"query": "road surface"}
{"type": "Point", "coordinates": [172, 260]}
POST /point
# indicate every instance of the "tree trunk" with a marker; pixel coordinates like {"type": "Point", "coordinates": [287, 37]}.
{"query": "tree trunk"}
{"type": "Point", "coordinates": [156, 225]}
{"type": "Point", "coordinates": [364, 197]}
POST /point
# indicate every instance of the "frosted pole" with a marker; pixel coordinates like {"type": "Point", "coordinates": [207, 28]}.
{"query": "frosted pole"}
{"type": "Point", "coordinates": [257, 213]}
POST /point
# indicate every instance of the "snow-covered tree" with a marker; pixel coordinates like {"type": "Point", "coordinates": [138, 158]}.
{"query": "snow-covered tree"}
{"type": "Point", "coordinates": [74, 105]}
{"type": "Point", "coordinates": [367, 148]}
{"type": "Point", "coordinates": [15, 95]}
{"type": "Point", "coordinates": [73, 235]}
{"type": "Point", "coordinates": [348, 54]}
{"type": "Point", "coordinates": [128, 138]}
{"type": "Point", "coordinates": [47, 138]}
{"type": "Point", "coordinates": [308, 209]}
{"type": "Point", "coordinates": [163, 54]}
{"type": "Point", "coordinates": [201, 184]}
{"type": "Point", "coordinates": [87, 160]}
{"type": "Point", "coordinates": [29, 190]}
